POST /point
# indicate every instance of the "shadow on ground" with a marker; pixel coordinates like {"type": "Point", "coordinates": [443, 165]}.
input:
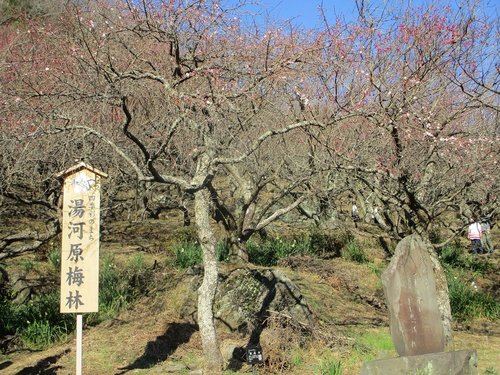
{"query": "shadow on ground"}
{"type": "Point", "coordinates": [5, 364]}
{"type": "Point", "coordinates": [44, 366]}
{"type": "Point", "coordinates": [163, 346]}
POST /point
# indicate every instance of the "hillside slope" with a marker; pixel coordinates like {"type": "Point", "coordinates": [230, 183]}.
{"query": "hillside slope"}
{"type": "Point", "coordinates": [156, 336]}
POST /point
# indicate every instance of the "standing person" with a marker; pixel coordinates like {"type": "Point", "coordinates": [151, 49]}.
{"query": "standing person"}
{"type": "Point", "coordinates": [485, 236]}
{"type": "Point", "coordinates": [474, 235]}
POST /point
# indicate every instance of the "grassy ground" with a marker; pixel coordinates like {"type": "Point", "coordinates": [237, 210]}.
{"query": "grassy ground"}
{"type": "Point", "coordinates": [124, 346]}
{"type": "Point", "coordinates": [150, 337]}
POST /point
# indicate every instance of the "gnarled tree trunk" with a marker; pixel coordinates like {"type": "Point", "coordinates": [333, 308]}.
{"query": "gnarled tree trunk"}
{"type": "Point", "coordinates": [206, 292]}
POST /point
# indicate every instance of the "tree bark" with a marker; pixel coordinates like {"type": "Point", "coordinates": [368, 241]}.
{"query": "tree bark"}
{"type": "Point", "coordinates": [206, 292]}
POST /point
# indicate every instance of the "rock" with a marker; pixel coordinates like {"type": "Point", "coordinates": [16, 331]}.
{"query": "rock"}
{"type": "Point", "coordinates": [417, 297]}
{"type": "Point", "coordinates": [20, 289]}
{"type": "Point", "coordinates": [229, 348]}
{"type": "Point", "coordinates": [246, 296]}
{"type": "Point", "coordinates": [463, 362]}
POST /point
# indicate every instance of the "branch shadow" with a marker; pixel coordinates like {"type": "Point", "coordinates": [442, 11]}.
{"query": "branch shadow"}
{"type": "Point", "coordinates": [272, 283]}
{"type": "Point", "coordinates": [5, 364]}
{"type": "Point", "coordinates": [163, 346]}
{"type": "Point", "coordinates": [44, 366]}
{"type": "Point", "coordinates": [239, 355]}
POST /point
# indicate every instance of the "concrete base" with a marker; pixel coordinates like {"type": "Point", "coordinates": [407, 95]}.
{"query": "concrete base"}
{"type": "Point", "coordinates": [463, 362]}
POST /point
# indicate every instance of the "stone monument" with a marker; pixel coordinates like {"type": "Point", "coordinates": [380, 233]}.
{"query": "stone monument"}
{"type": "Point", "coordinates": [420, 316]}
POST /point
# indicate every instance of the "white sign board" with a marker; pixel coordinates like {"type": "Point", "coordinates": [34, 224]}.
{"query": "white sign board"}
{"type": "Point", "coordinates": [80, 242]}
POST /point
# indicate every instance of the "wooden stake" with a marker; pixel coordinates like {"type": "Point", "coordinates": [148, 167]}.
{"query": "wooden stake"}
{"type": "Point", "coordinates": [79, 330]}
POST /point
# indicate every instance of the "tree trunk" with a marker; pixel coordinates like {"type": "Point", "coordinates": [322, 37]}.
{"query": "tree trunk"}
{"type": "Point", "coordinates": [206, 292]}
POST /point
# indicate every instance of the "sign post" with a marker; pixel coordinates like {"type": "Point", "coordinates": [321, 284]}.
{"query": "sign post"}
{"type": "Point", "coordinates": [80, 246]}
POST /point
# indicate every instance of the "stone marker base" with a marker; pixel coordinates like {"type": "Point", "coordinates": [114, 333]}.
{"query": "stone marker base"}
{"type": "Point", "coordinates": [463, 362]}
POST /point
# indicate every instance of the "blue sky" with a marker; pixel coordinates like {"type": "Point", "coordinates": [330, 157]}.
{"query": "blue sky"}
{"type": "Point", "coordinates": [305, 12]}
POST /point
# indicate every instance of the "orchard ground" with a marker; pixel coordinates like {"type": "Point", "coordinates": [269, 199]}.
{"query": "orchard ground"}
{"type": "Point", "coordinates": [150, 337]}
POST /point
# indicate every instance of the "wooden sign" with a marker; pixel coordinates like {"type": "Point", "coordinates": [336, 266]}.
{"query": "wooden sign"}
{"type": "Point", "coordinates": [80, 240]}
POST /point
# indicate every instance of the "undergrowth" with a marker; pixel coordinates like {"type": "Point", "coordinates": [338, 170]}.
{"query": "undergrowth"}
{"type": "Point", "coordinates": [467, 301]}
{"type": "Point", "coordinates": [353, 252]}
{"type": "Point", "coordinates": [454, 256]}
{"type": "Point", "coordinates": [120, 287]}
{"type": "Point", "coordinates": [270, 251]}
{"type": "Point", "coordinates": [39, 324]}
{"type": "Point", "coordinates": [188, 253]}
{"type": "Point", "coordinates": [330, 366]}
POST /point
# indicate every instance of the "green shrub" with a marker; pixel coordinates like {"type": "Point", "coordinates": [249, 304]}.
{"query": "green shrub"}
{"type": "Point", "coordinates": [467, 303]}
{"type": "Point", "coordinates": [118, 288]}
{"type": "Point", "coordinates": [269, 252]}
{"type": "Point", "coordinates": [454, 256]}
{"type": "Point", "coordinates": [305, 244]}
{"type": "Point", "coordinates": [368, 345]}
{"type": "Point", "coordinates": [330, 367]}
{"type": "Point", "coordinates": [297, 357]}
{"type": "Point", "coordinates": [262, 254]}
{"type": "Point", "coordinates": [451, 256]}
{"type": "Point", "coordinates": [186, 234]}
{"type": "Point", "coordinates": [42, 334]}
{"type": "Point", "coordinates": [477, 265]}
{"type": "Point", "coordinates": [136, 264]}
{"type": "Point", "coordinates": [376, 269]}
{"type": "Point", "coordinates": [187, 254]}
{"type": "Point", "coordinates": [8, 320]}
{"type": "Point", "coordinates": [38, 322]}
{"type": "Point", "coordinates": [331, 243]}
{"type": "Point", "coordinates": [136, 277]}
{"type": "Point", "coordinates": [352, 251]}
{"type": "Point", "coordinates": [111, 292]}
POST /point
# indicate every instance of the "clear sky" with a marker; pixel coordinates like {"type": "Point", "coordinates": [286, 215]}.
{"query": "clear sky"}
{"type": "Point", "coordinates": [303, 12]}
{"type": "Point", "coordinates": [306, 12]}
